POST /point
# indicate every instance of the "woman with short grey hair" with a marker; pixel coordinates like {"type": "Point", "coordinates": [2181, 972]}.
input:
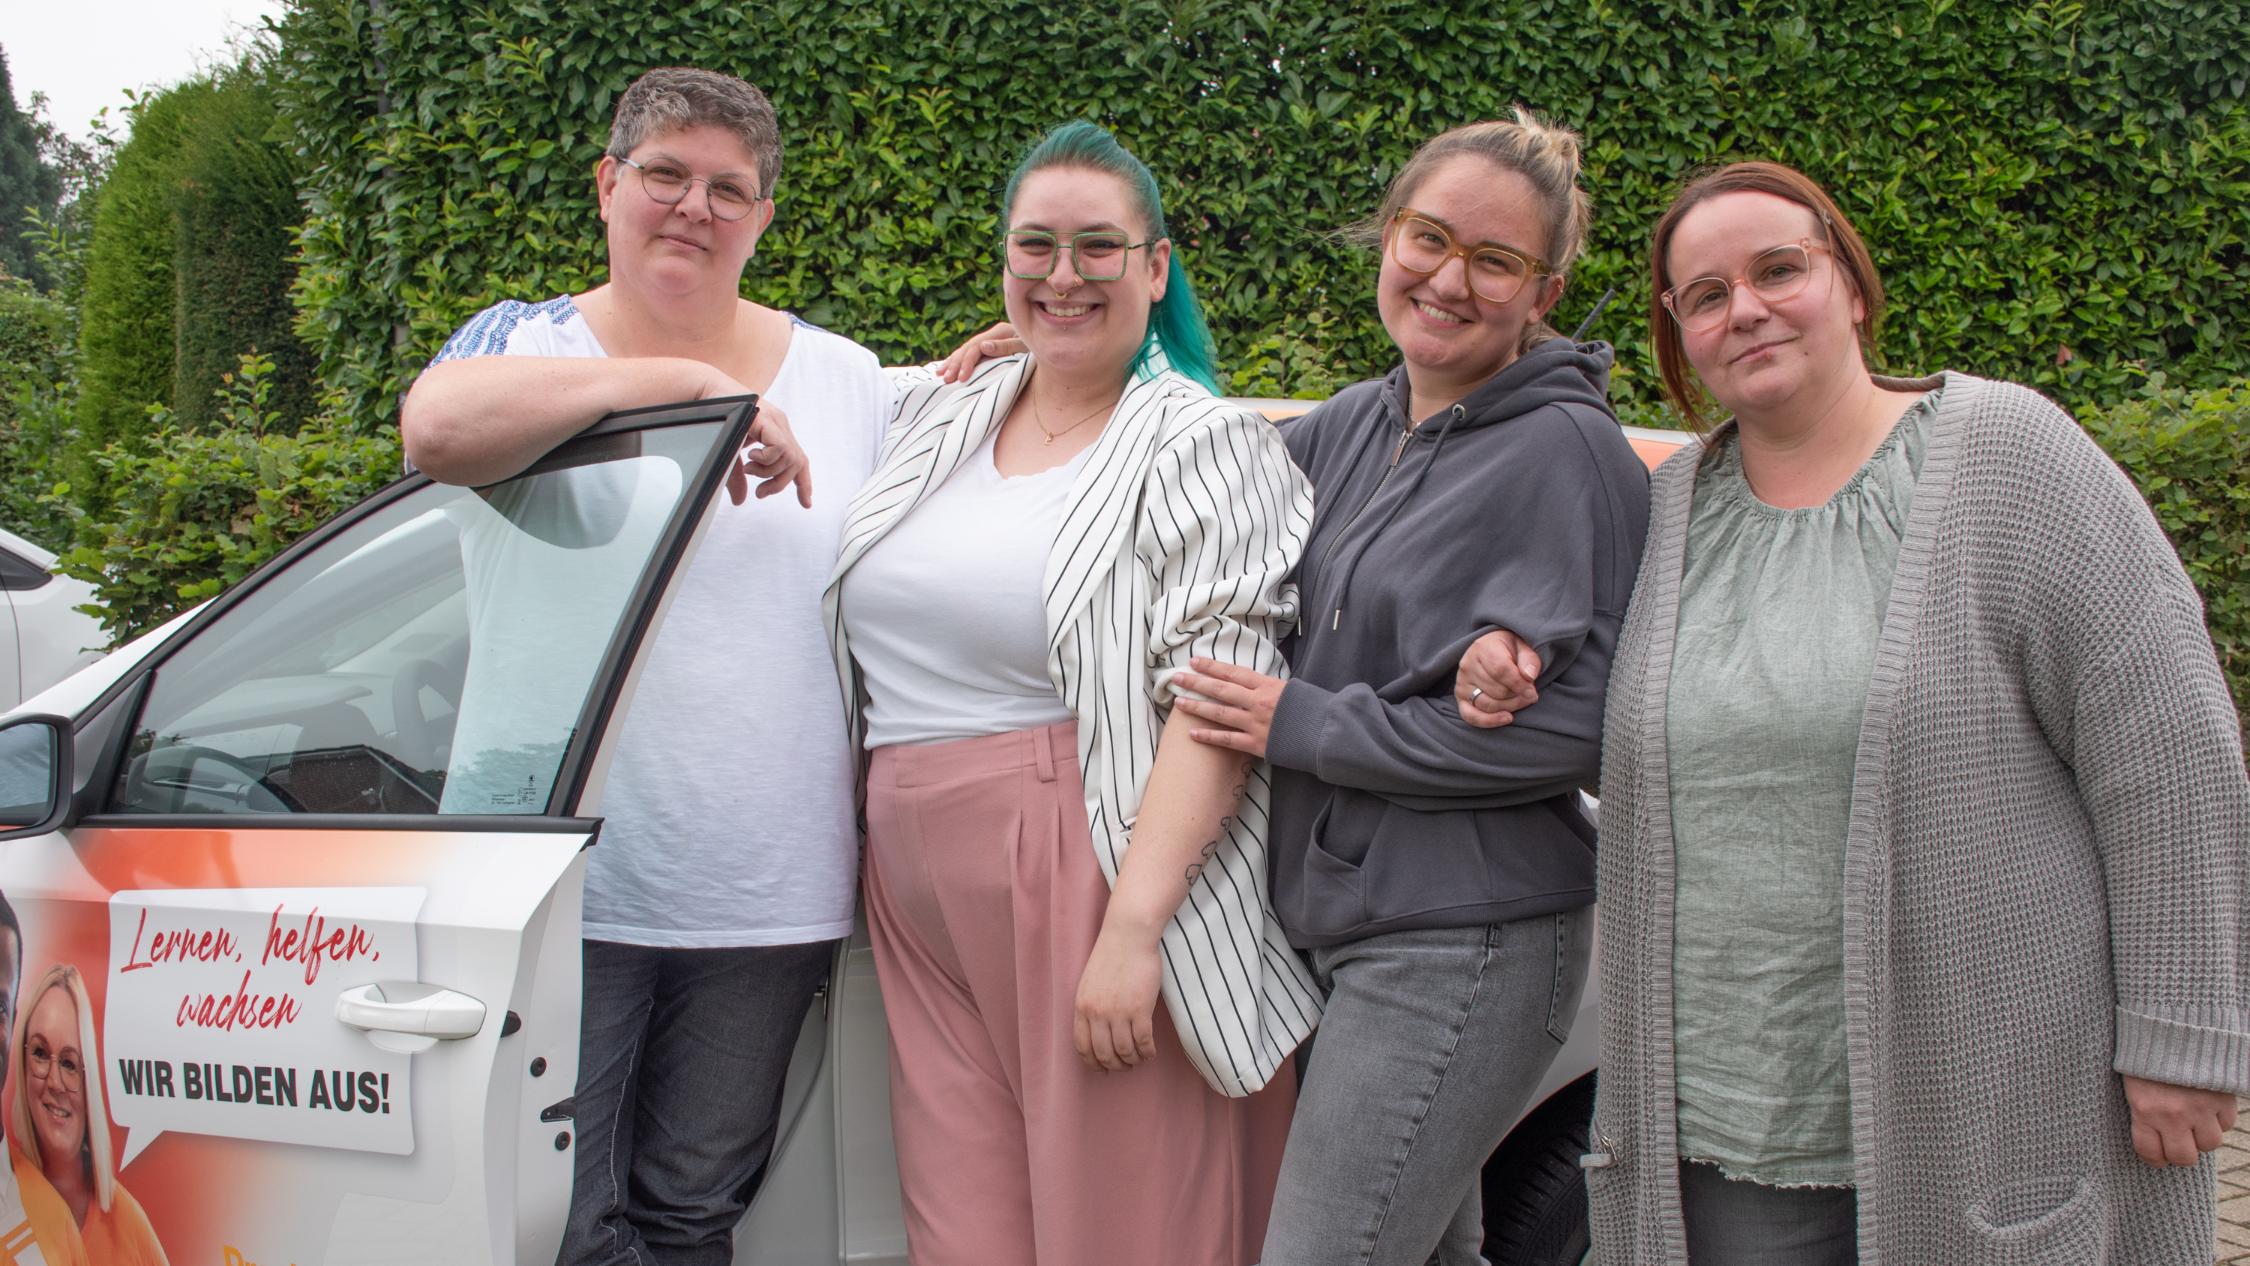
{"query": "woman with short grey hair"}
{"type": "Point", "coordinates": [708, 927]}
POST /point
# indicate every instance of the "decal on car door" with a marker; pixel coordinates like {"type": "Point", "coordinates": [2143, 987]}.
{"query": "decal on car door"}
{"type": "Point", "coordinates": [160, 1037]}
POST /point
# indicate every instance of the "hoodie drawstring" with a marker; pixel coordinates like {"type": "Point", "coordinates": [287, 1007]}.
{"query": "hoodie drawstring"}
{"type": "Point", "coordinates": [1453, 415]}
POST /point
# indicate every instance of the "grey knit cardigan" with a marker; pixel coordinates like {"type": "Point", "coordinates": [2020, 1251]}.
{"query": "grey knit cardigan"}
{"type": "Point", "coordinates": [2044, 874]}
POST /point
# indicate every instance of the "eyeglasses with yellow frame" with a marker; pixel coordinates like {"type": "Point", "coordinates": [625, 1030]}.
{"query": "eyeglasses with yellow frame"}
{"type": "Point", "coordinates": [1496, 273]}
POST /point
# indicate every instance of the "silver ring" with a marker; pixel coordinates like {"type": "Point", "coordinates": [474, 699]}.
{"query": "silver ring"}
{"type": "Point", "coordinates": [1475, 693]}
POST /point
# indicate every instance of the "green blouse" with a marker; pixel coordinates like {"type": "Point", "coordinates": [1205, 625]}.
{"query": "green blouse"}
{"type": "Point", "coordinates": [1779, 615]}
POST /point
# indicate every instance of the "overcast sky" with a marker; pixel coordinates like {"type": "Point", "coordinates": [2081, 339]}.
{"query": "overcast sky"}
{"type": "Point", "coordinates": [85, 55]}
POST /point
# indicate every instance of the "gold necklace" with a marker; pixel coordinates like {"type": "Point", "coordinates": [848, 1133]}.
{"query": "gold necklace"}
{"type": "Point", "coordinates": [1039, 419]}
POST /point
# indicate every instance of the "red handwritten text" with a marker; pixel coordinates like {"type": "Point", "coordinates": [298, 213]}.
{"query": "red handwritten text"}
{"type": "Point", "coordinates": [316, 943]}
{"type": "Point", "coordinates": [241, 1009]}
{"type": "Point", "coordinates": [176, 945]}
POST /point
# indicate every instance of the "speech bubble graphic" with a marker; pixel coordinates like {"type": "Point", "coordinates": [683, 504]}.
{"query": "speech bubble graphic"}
{"type": "Point", "coordinates": [220, 1013]}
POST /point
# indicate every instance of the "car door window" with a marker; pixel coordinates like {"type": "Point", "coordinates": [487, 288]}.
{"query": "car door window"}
{"type": "Point", "coordinates": [435, 656]}
{"type": "Point", "coordinates": [21, 573]}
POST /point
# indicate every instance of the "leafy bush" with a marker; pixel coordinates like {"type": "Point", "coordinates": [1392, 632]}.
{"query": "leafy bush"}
{"type": "Point", "coordinates": [2053, 190]}
{"type": "Point", "coordinates": [39, 354]}
{"type": "Point", "coordinates": [190, 512]}
{"type": "Point", "coordinates": [29, 185]}
{"type": "Point", "coordinates": [2189, 452]}
{"type": "Point", "coordinates": [33, 362]}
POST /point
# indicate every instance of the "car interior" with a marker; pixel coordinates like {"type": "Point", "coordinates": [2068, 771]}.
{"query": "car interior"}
{"type": "Point", "coordinates": [338, 695]}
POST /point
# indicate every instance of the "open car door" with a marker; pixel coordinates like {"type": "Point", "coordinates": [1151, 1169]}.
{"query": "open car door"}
{"type": "Point", "coordinates": [313, 904]}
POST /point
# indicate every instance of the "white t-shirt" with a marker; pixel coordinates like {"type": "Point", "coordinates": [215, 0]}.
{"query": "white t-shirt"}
{"type": "Point", "coordinates": [730, 817]}
{"type": "Point", "coordinates": [946, 614]}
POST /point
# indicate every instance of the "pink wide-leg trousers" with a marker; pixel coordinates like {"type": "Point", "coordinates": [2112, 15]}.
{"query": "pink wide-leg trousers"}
{"type": "Point", "coordinates": [984, 899]}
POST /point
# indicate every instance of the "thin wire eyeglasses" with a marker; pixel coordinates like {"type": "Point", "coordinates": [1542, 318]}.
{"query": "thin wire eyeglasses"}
{"type": "Point", "coordinates": [1095, 255]}
{"type": "Point", "coordinates": [1496, 273]}
{"type": "Point", "coordinates": [1778, 273]}
{"type": "Point", "coordinates": [40, 1063]}
{"type": "Point", "coordinates": [668, 184]}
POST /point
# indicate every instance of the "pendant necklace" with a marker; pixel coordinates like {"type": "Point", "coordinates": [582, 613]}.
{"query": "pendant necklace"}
{"type": "Point", "coordinates": [1039, 419]}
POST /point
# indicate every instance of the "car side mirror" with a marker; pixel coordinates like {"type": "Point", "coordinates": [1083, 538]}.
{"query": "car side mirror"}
{"type": "Point", "coordinates": [34, 775]}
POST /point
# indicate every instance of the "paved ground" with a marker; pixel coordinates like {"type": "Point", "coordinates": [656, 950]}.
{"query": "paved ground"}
{"type": "Point", "coordinates": [2234, 1193]}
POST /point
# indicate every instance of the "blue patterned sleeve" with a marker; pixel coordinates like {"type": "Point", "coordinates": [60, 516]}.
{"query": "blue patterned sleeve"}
{"type": "Point", "coordinates": [485, 334]}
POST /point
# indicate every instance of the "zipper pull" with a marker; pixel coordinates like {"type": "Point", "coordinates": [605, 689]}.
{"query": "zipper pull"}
{"type": "Point", "coordinates": [1604, 1154]}
{"type": "Point", "coordinates": [1337, 621]}
{"type": "Point", "coordinates": [1403, 436]}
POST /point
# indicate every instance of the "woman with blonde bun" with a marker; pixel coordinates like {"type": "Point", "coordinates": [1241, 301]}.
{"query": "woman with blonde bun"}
{"type": "Point", "coordinates": [1440, 875]}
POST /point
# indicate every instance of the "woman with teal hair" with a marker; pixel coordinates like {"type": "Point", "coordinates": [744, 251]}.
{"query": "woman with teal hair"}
{"type": "Point", "coordinates": [1043, 547]}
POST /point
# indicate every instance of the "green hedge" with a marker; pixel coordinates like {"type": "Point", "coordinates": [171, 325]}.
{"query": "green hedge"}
{"type": "Point", "coordinates": [191, 262]}
{"type": "Point", "coordinates": [125, 359]}
{"type": "Point", "coordinates": [235, 217]}
{"type": "Point", "coordinates": [2189, 452]}
{"type": "Point", "coordinates": [2055, 191]}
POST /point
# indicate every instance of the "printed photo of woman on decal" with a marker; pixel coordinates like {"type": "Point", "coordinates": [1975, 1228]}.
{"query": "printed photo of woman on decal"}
{"type": "Point", "coordinates": [57, 1120]}
{"type": "Point", "coordinates": [36, 1228]}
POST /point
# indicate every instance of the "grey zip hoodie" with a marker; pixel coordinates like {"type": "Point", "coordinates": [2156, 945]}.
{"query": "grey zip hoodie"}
{"type": "Point", "coordinates": [1524, 508]}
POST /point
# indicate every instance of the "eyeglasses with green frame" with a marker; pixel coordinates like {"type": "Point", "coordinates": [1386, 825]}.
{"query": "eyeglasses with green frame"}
{"type": "Point", "coordinates": [1095, 255]}
{"type": "Point", "coordinates": [1496, 273]}
{"type": "Point", "coordinates": [668, 183]}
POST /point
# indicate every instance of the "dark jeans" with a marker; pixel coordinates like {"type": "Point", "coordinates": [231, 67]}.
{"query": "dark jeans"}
{"type": "Point", "coordinates": [1732, 1223]}
{"type": "Point", "coordinates": [1430, 1048]}
{"type": "Point", "coordinates": [680, 1063]}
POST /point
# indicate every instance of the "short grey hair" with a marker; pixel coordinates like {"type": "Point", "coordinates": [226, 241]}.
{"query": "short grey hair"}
{"type": "Point", "coordinates": [673, 97]}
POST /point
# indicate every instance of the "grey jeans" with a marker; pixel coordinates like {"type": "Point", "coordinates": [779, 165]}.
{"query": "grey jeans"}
{"type": "Point", "coordinates": [680, 1062]}
{"type": "Point", "coordinates": [1733, 1223]}
{"type": "Point", "coordinates": [1430, 1049]}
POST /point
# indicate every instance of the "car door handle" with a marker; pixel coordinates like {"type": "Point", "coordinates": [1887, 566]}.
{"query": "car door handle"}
{"type": "Point", "coordinates": [411, 1008]}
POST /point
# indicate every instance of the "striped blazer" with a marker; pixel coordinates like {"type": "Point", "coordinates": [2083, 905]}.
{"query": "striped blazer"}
{"type": "Point", "coordinates": [1178, 539]}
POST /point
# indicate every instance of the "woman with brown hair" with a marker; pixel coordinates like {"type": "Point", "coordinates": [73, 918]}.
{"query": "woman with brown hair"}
{"type": "Point", "coordinates": [1925, 829]}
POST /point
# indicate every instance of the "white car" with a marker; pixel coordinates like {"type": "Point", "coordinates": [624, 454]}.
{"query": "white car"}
{"type": "Point", "coordinates": [337, 1017]}
{"type": "Point", "coordinates": [44, 637]}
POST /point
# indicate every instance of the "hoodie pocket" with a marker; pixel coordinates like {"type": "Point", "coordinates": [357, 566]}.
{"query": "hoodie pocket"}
{"type": "Point", "coordinates": [2043, 1220]}
{"type": "Point", "coordinates": [1335, 897]}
